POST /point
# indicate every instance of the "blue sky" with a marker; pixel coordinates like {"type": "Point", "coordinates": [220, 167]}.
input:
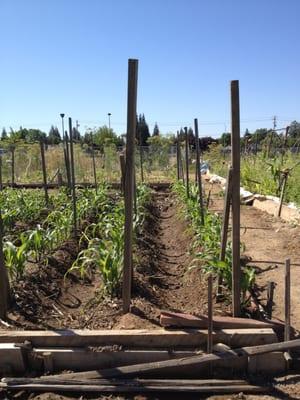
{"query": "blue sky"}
{"type": "Point", "coordinates": [71, 56]}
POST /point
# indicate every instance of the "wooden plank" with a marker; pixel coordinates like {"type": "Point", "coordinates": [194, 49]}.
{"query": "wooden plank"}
{"type": "Point", "coordinates": [138, 338]}
{"type": "Point", "coordinates": [198, 169]}
{"type": "Point", "coordinates": [73, 179]}
{"type": "Point", "coordinates": [273, 364]}
{"type": "Point", "coordinates": [287, 300]}
{"type": "Point", "coordinates": [144, 388]}
{"type": "Point", "coordinates": [146, 369]}
{"type": "Point", "coordinates": [187, 163]}
{"type": "Point", "coordinates": [11, 359]}
{"type": "Point", "coordinates": [83, 359]}
{"type": "Point", "coordinates": [129, 183]}
{"type": "Point", "coordinates": [168, 319]}
{"type": "Point", "coordinates": [284, 182]}
{"type": "Point", "coordinates": [235, 162]}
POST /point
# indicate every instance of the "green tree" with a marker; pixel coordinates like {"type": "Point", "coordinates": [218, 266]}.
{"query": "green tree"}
{"type": "Point", "coordinates": [142, 131]}
{"type": "Point", "coordinates": [34, 135]}
{"type": "Point", "coordinates": [4, 134]}
{"type": "Point", "coordinates": [155, 130]}
{"type": "Point", "coordinates": [225, 139]}
{"type": "Point", "coordinates": [104, 136]}
{"type": "Point", "coordinates": [54, 136]}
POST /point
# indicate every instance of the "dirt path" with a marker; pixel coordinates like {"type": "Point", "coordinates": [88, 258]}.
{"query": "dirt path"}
{"type": "Point", "coordinates": [268, 241]}
{"type": "Point", "coordinates": [163, 279]}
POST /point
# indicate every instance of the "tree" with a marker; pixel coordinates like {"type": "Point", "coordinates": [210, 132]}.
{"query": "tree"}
{"type": "Point", "coordinates": [155, 130]}
{"type": "Point", "coordinates": [142, 131]}
{"type": "Point", "coordinates": [104, 136]}
{"type": "Point", "coordinates": [76, 134]}
{"type": "Point", "coordinates": [54, 136]}
{"type": "Point", "coordinates": [225, 139]}
{"type": "Point", "coordinates": [3, 134]}
{"type": "Point", "coordinates": [34, 135]}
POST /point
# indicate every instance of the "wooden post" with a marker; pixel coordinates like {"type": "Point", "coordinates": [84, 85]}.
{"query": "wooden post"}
{"type": "Point", "coordinates": [198, 169]}
{"type": "Point", "coordinates": [122, 167]}
{"type": "Point", "coordinates": [287, 300]}
{"type": "Point", "coordinates": [4, 282]}
{"type": "Point", "coordinates": [67, 159]}
{"type": "Point", "coordinates": [177, 157]}
{"type": "Point", "coordinates": [270, 296]}
{"type": "Point", "coordinates": [187, 162]}
{"type": "Point", "coordinates": [129, 182]}
{"type": "Point", "coordinates": [235, 162]}
{"type": "Point", "coordinates": [44, 172]}
{"type": "Point", "coordinates": [13, 165]}
{"type": "Point", "coordinates": [73, 179]}
{"type": "Point", "coordinates": [1, 181]}
{"type": "Point", "coordinates": [284, 181]}
{"type": "Point", "coordinates": [94, 167]}
{"type": "Point", "coordinates": [209, 314]}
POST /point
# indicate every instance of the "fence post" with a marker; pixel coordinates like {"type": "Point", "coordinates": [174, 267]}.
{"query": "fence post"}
{"type": "Point", "coordinates": [284, 182]}
{"type": "Point", "coordinates": [287, 300]}
{"type": "Point", "coordinates": [94, 166]}
{"type": "Point", "coordinates": [129, 182]}
{"type": "Point", "coordinates": [187, 162]}
{"type": "Point", "coordinates": [13, 165]}
{"type": "Point", "coordinates": [177, 157]}
{"type": "Point", "coordinates": [1, 181]}
{"type": "Point", "coordinates": [44, 171]}
{"type": "Point", "coordinates": [198, 169]}
{"type": "Point", "coordinates": [73, 179]}
{"type": "Point", "coordinates": [67, 159]}
{"type": "Point", "coordinates": [4, 281]}
{"type": "Point", "coordinates": [235, 162]}
{"type": "Point", "coordinates": [122, 166]}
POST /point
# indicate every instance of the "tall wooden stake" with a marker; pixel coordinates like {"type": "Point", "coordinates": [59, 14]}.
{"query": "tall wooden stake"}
{"type": "Point", "coordinates": [1, 181]}
{"type": "Point", "coordinates": [284, 181]}
{"type": "Point", "coordinates": [44, 172]}
{"type": "Point", "coordinates": [123, 168]}
{"type": "Point", "coordinates": [4, 282]}
{"type": "Point", "coordinates": [198, 169]}
{"type": "Point", "coordinates": [94, 167]}
{"type": "Point", "coordinates": [129, 182]}
{"type": "Point", "coordinates": [73, 179]}
{"type": "Point", "coordinates": [67, 159]}
{"type": "Point", "coordinates": [187, 162]}
{"type": "Point", "coordinates": [177, 157]}
{"type": "Point", "coordinates": [235, 162]}
{"type": "Point", "coordinates": [13, 165]}
{"type": "Point", "coordinates": [287, 300]}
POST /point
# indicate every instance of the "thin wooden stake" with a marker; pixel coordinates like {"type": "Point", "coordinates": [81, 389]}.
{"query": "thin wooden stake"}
{"type": "Point", "coordinates": [270, 296]}
{"type": "Point", "coordinates": [73, 179]}
{"type": "Point", "coordinates": [67, 159]}
{"type": "Point", "coordinates": [94, 167]}
{"type": "Point", "coordinates": [44, 172]}
{"type": "Point", "coordinates": [4, 282]}
{"type": "Point", "coordinates": [285, 178]}
{"type": "Point", "coordinates": [123, 168]}
{"type": "Point", "coordinates": [1, 181]}
{"type": "Point", "coordinates": [13, 166]}
{"type": "Point", "coordinates": [287, 300]}
{"type": "Point", "coordinates": [198, 169]}
{"type": "Point", "coordinates": [225, 223]}
{"type": "Point", "coordinates": [235, 161]}
{"type": "Point", "coordinates": [187, 162]}
{"type": "Point", "coordinates": [129, 182]}
{"type": "Point", "coordinates": [177, 157]}
{"type": "Point", "coordinates": [210, 313]}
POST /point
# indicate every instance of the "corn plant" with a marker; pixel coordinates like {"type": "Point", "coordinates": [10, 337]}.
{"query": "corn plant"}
{"type": "Point", "coordinates": [15, 258]}
{"type": "Point", "coordinates": [207, 240]}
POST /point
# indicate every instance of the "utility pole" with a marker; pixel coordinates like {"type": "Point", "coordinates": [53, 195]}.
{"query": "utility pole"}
{"type": "Point", "coordinates": [274, 122]}
{"type": "Point", "coordinates": [77, 125]}
{"type": "Point", "coordinates": [109, 114]}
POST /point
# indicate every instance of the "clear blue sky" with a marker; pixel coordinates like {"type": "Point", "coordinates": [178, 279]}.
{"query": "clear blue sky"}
{"type": "Point", "coordinates": [71, 56]}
